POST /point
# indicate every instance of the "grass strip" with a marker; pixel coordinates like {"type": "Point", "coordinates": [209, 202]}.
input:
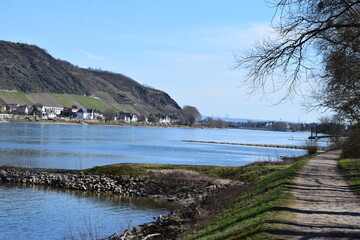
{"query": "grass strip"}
{"type": "Point", "coordinates": [243, 173]}
{"type": "Point", "coordinates": [20, 97]}
{"type": "Point", "coordinates": [351, 170]}
{"type": "Point", "coordinates": [251, 215]}
{"type": "Point", "coordinates": [89, 102]}
{"type": "Point", "coordinates": [61, 98]}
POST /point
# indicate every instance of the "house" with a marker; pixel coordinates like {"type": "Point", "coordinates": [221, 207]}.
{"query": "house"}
{"type": "Point", "coordinates": [24, 109]}
{"type": "Point", "coordinates": [11, 108]}
{"type": "Point", "coordinates": [143, 119]}
{"type": "Point", "coordinates": [99, 116]}
{"type": "Point", "coordinates": [69, 112]}
{"type": "Point", "coordinates": [3, 109]}
{"type": "Point", "coordinates": [84, 113]}
{"type": "Point", "coordinates": [127, 117]}
{"type": "Point", "coordinates": [48, 116]}
{"type": "Point", "coordinates": [175, 119]}
{"type": "Point", "coordinates": [164, 119]}
{"type": "Point", "coordinates": [55, 110]}
{"type": "Point", "coordinates": [2, 106]}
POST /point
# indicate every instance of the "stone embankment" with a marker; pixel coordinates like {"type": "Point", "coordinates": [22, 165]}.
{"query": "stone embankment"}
{"type": "Point", "coordinates": [173, 185]}
{"type": "Point", "coordinates": [130, 186]}
{"type": "Point", "coordinates": [198, 194]}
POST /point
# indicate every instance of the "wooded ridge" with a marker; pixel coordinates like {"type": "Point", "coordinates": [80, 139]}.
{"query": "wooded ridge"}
{"type": "Point", "coordinates": [29, 69]}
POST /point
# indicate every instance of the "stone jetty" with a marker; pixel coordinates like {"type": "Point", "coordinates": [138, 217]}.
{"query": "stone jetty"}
{"type": "Point", "coordinates": [190, 189]}
{"type": "Point", "coordinates": [124, 185]}
{"type": "Point", "coordinates": [305, 147]}
{"type": "Point", "coordinates": [173, 185]}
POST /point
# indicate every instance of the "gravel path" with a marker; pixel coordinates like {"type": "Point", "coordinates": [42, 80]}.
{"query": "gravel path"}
{"type": "Point", "coordinates": [325, 206]}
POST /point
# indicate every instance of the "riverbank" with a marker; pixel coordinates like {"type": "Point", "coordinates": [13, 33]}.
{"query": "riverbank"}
{"type": "Point", "coordinates": [173, 185]}
{"type": "Point", "coordinates": [122, 124]}
{"type": "Point", "coordinates": [231, 213]}
{"type": "Point", "coordinates": [254, 212]}
{"type": "Point", "coordinates": [93, 122]}
{"type": "Point", "coordinates": [201, 191]}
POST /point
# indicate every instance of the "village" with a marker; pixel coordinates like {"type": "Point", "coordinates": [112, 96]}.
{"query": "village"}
{"type": "Point", "coordinates": [74, 114]}
{"type": "Point", "coordinates": [85, 115]}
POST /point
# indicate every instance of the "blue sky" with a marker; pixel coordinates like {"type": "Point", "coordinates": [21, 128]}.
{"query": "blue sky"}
{"type": "Point", "coordinates": [185, 48]}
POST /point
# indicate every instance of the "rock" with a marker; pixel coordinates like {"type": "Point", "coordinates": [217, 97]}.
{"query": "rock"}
{"type": "Point", "coordinates": [137, 229]}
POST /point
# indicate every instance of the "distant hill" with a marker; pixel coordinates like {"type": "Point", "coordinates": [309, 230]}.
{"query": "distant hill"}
{"type": "Point", "coordinates": [33, 76]}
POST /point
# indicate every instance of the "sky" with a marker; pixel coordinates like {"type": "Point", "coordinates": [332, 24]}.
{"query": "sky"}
{"type": "Point", "coordinates": [183, 47]}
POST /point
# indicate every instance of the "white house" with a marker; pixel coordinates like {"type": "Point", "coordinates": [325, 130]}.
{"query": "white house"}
{"type": "Point", "coordinates": [128, 117]}
{"type": "Point", "coordinates": [55, 110]}
{"type": "Point", "coordinates": [84, 113]}
{"type": "Point", "coordinates": [164, 119]}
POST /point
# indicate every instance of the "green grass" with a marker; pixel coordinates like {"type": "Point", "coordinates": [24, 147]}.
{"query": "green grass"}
{"type": "Point", "coordinates": [245, 173]}
{"type": "Point", "coordinates": [89, 102]}
{"type": "Point", "coordinates": [61, 98]}
{"type": "Point", "coordinates": [351, 170]}
{"type": "Point", "coordinates": [19, 96]}
{"type": "Point", "coordinates": [250, 216]}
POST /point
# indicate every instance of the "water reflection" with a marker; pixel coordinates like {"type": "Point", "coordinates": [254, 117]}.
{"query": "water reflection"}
{"type": "Point", "coordinates": [78, 147]}
{"type": "Point", "coordinates": [38, 212]}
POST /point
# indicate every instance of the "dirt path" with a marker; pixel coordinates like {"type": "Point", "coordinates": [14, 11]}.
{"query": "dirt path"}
{"type": "Point", "coordinates": [325, 206]}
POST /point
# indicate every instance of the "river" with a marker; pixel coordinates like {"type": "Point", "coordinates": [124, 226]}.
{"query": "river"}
{"type": "Point", "coordinates": [45, 213]}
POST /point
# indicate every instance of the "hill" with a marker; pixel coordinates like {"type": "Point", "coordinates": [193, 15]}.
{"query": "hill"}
{"type": "Point", "coordinates": [28, 74]}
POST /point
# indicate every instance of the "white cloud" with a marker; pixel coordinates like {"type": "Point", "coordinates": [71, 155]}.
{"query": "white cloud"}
{"type": "Point", "coordinates": [89, 55]}
{"type": "Point", "coordinates": [233, 37]}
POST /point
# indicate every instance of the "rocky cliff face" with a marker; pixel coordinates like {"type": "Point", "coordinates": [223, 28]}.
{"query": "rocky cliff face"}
{"type": "Point", "coordinates": [30, 69]}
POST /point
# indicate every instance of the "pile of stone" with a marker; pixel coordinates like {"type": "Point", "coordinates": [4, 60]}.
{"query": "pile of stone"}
{"type": "Point", "coordinates": [125, 185]}
{"type": "Point", "coordinates": [165, 227]}
{"type": "Point", "coordinates": [187, 190]}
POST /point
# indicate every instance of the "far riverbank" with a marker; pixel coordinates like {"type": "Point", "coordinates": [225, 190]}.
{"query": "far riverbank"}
{"type": "Point", "coordinates": [121, 124]}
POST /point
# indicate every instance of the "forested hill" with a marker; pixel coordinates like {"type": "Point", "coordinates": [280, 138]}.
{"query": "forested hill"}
{"type": "Point", "coordinates": [30, 69]}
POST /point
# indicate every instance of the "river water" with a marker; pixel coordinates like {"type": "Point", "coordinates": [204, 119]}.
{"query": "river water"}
{"type": "Point", "coordinates": [37, 213]}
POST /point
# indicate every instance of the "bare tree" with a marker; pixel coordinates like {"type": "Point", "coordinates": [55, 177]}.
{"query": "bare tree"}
{"type": "Point", "coordinates": [280, 126]}
{"type": "Point", "coordinates": [333, 127]}
{"type": "Point", "coordinates": [153, 119]}
{"type": "Point", "coordinates": [305, 27]}
{"type": "Point", "coordinates": [109, 114]}
{"type": "Point", "coordinates": [188, 115]}
{"type": "Point", "coordinates": [341, 88]}
{"type": "Point", "coordinates": [320, 33]}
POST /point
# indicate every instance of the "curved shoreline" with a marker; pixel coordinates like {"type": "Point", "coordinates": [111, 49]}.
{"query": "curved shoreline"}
{"type": "Point", "coordinates": [258, 145]}
{"type": "Point", "coordinates": [187, 188]}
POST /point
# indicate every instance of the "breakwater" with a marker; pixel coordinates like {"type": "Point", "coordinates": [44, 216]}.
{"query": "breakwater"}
{"type": "Point", "coordinates": [191, 189]}
{"type": "Point", "coordinates": [172, 185]}
{"type": "Point", "coordinates": [126, 185]}
{"type": "Point", "coordinates": [259, 145]}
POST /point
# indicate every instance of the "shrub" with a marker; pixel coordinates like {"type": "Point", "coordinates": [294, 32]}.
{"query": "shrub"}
{"type": "Point", "coordinates": [351, 147]}
{"type": "Point", "coordinates": [311, 148]}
